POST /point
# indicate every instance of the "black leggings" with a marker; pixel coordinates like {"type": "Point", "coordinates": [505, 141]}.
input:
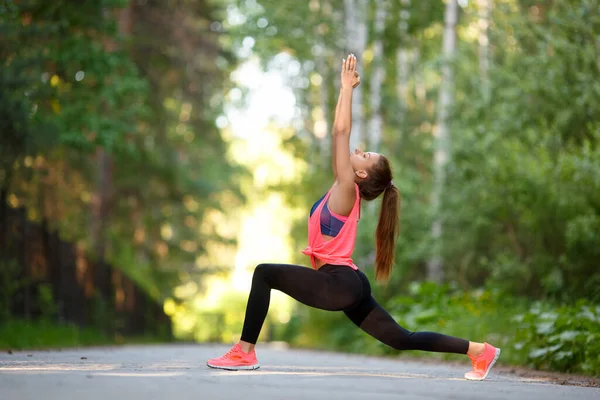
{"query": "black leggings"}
{"type": "Point", "coordinates": [337, 288]}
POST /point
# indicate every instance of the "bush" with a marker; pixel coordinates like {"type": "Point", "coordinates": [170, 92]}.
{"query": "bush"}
{"type": "Point", "coordinates": [565, 339]}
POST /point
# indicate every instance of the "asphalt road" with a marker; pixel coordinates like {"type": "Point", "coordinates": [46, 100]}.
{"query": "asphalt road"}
{"type": "Point", "coordinates": [179, 372]}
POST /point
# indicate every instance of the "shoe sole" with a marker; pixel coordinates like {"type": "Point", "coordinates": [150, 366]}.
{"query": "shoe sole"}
{"type": "Point", "coordinates": [235, 368]}
{"type": "Point", "coordinates": [498, 351]}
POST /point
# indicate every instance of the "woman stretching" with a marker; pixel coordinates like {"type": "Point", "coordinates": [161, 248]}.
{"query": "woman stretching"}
{"type": "Point", "coordinates": [335, 283]}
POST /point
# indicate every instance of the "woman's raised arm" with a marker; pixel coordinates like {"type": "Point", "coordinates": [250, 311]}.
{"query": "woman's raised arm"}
{"type": "Point", "coordinates": [355, 83]}
{"type": "Point", "coordinates": [343, 125]}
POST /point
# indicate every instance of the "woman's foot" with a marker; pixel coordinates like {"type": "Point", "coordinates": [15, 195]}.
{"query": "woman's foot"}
{"type": "Point", "coordinates": [483, 363]}
{"type": "Point", "coordinates": [235, 359]}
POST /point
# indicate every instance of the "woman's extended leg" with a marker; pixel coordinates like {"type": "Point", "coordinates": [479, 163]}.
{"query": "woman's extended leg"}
{"type": "Point", "coordinates": [374, 320]}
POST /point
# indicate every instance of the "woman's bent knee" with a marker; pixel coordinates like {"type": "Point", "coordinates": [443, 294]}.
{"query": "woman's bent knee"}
{"type": "Point", "coordinates": [265, 272]}
{"type": "Point", "coordinates": [260, 268]}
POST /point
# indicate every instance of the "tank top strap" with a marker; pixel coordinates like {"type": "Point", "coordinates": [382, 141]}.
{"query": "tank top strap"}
{"type": "Point", "coordinates": [357, 202]}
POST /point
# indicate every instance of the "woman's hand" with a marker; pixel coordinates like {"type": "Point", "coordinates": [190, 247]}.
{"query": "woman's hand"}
{"type": "Point", "coordinates": [350, 77]}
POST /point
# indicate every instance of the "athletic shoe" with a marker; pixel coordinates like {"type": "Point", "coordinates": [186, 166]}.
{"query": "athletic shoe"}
{"type": "Point", "coordinates": [483, 363]}
{"type": "Point", "coordinates": [235, 359]}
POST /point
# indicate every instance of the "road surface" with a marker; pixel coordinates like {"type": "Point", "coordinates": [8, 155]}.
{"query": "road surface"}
{"type": "Point", "coordinates": [179, 372]}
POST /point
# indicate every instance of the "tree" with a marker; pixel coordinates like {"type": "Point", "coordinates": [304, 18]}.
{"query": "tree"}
{"type": "Point", "coordinates": [378, 76]}
{"type": "Point", "coordinates": [356, 36]}
{"type": "Point", "coordinates": [442, 137]}
{"type": "Point", "coordinates": [111, 114]}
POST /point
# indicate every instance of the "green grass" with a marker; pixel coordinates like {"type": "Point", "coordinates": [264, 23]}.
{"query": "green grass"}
{"type": "Point", "coordinates": [42, 334]}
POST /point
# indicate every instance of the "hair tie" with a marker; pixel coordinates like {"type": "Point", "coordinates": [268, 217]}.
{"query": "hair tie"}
{"type": "Point", "coordinates": [390, 184]}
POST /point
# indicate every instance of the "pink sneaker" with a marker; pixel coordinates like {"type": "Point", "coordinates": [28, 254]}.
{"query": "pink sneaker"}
{"type": "Point", "coordinates": [235, 359]}
{"type": "Point", "coordinates": [483, 363]}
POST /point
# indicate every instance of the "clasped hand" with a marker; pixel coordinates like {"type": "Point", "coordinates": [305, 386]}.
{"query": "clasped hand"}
{"type": "Point", "coordinates": [350, 77]}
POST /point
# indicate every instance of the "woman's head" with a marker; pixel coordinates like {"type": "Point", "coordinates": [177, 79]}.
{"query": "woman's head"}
{"type": "Point", "coordinates": [372, 173]}
{"type": "Point", "coordinates": [374, 177]}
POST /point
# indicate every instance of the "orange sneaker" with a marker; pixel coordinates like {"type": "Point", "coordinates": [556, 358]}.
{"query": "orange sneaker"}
{"type": "Point", "coordinates": [235, 359]}
{"type": "Point", "coordinates": [483, 363]}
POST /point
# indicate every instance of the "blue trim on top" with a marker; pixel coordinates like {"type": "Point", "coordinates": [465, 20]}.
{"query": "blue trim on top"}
{"type": "Point", "coordinates": [330, 225]}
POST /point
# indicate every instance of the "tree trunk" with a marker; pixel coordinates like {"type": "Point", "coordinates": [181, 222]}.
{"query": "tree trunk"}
{"type": "Point", "coordinates": [435, 265]}
{"type": "Point", "coordinates": [402, 63]}
{"type": "Point", "coordinates": [375, 129]}
{"type": "Point", "coordinates": [102, 197]}
{"type": "Point", "coordinates": [484, 8]}
{"type": "Point", "coordinates": [322, 126]}
{"type": "Point", "coordinates": [402, 72]}
{"type": "Point", "coordinates": [356, 33]}
{"type": "Point", "coordinates": [420, 87]}
{"type": "Point", "coordinates": [100, 215]}
{"type": "Point", "coordinates": [4, 189]}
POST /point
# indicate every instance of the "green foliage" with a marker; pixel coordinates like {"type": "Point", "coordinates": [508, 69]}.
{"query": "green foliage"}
{"type": "Point", "coordinates": [522, 203]}
{"type": "Point", "coordinates": [46, 301]}
{"type": "Point", "coordinates": [565, 338]}
{"type": "Point", "coordinates": [10, 284]}
{"type": "Point", "coordinates": [104, 316]}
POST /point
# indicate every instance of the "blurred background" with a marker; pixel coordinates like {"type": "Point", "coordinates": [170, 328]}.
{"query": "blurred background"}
{"type": "Point", "coordinates": [153, 152]}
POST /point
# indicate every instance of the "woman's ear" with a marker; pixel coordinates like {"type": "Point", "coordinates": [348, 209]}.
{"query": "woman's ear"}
{"type": "Point", "coordinates": [361, 173]}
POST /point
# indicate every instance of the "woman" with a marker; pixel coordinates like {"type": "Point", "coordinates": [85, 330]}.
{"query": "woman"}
{"type": "Point", "coordinates": [335, 283]}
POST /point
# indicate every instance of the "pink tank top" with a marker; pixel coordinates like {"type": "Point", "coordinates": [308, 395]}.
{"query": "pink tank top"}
{"type": "Point", "coordinates": [337, 250]}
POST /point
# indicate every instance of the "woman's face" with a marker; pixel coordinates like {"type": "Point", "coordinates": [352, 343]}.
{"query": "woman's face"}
{"type": "Point", "coordinates": [362, 162]}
